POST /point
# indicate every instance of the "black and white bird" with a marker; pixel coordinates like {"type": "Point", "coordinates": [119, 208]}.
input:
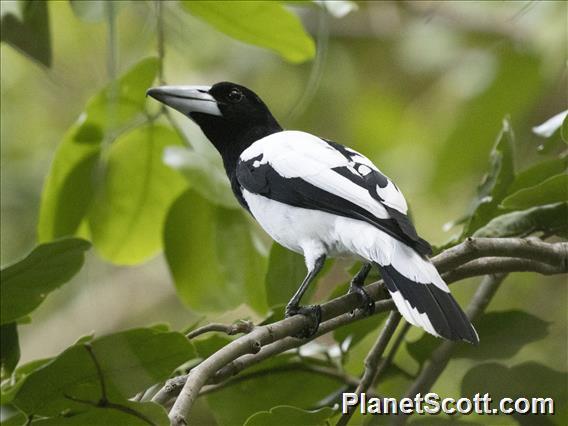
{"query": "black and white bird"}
{"type": "Point", "coordinates": [319, 198]}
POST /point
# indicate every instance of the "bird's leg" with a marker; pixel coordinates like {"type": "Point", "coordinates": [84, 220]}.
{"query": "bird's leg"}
{"type": "Point", "coordinates": [313, 312]}
{"type": "Point", "coordinates": [356, 286]}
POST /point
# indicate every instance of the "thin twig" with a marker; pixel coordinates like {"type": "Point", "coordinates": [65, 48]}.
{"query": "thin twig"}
{"type": "Point", "coordinates": [232, 329]}
{"type": "Point", "coordinates": [372, 361]}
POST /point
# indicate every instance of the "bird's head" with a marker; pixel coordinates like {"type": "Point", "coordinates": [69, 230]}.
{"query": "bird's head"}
{"type": "Point", "coordinates": [230, 115]}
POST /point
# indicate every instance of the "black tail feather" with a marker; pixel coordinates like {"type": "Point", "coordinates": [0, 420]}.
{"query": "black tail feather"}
{"type": "Point", "coordinates": [442, 310]}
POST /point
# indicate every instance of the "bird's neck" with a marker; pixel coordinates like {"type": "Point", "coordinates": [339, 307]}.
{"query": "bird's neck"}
{"type": "Point", "coordinates": [241, 140]}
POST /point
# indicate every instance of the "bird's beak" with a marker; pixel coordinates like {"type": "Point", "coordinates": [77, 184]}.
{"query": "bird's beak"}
{"type": "Point", "coordinates": [186, 99]}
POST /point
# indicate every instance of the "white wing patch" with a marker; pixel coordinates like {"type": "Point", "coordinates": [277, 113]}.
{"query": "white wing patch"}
{"type": "Point", "coordinates": [298, 154]}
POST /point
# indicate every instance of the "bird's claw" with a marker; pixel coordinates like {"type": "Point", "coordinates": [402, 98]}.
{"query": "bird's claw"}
{"type": "Point", "coordinates": [368, 305]}
{"type": "Point", "coordinates": [313, 313]}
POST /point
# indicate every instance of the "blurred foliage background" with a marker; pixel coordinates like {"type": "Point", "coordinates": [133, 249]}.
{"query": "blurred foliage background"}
{"type": "Point", "coordinates": [421, 88]}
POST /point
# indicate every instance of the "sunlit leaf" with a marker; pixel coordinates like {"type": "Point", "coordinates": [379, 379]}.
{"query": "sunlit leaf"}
{"type": "Point", "coordinates": [527, 380]}
{"type": "Point", "coordinates": [285, 414]}
{"type": "Point", "coordinates": [204, 176]}
{"type": "Point", "coordinates": [495, 183]}
{"type": "Point", "coordinates": [75, 171]}
{"type": "Point", "coordinates": [122, 102]}
{"type": "Point", "coordinates": [129, 362]}
{"type": "Point", "coordinates": [550, 126]}
{"type": "Point", "coordinates": [127, 214]}
{"type": "Point", "coordinates": [9, 349]}
{"type": "Point", "coordinates": [503, 334]}
{"type": "Point", "coordinates": [211, 255]}
{"type": "Point", "coordinates": [26, 284]}
{"type": "Point", "coordinates": [552, 190]}
{"type": "Point", "coordinates": [550, 219]}
{"type": "Point", "coordinates": [29, 33]}
{"type": "Point", "coordinates": [262, 23]}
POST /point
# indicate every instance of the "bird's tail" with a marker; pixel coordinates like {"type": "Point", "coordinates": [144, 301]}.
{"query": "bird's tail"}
{"type": "Point", "coordinates": [423, 298]}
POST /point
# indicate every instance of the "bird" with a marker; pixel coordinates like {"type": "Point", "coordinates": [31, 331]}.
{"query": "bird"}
{"type": "Point", "coordinates": [321, 199]}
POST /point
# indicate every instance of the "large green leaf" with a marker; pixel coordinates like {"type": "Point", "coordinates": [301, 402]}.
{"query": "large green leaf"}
{"type": "Point", "coordinates": [262, 23]}
{"type": "Point", "coordinates": [28, 30]}
{"type": "Point", "coordinates": [127, 214]}
{"type": "Point", "coordinates": [121, 364]}
{"type": "Point", "coordinates": [205, 177]}
{"type": "Point", "coordinates": [211, 255]}
{"type": "Point", "coordinates": [10, 387]}
{"type": "Point", "coordinates": [552, 190]}
{"type": "Point", "coordinates": [538, 173]}
{"type": "Point", "coordinates": [495, 183]}
{"type": "Point", "coordinates": [286, 270]}
{"type": "Point", "coordinates": [74, 173]}
{"type": "Point", "coordinates": [93, 10]}
{"type": "Point", "coordinates": [9, 349]}
{"type": "Point", "coordinates": [502, 335]}
{"type": "Point", "coordinates": [26, 283]}
{"type": "Point", "coordinates": [288, 415]}
{"type": "Point", "coordinates": [282, 382]}
{"type": "Point", "coordinates": [527, 380]}
{"type": "Point", "coordinates": [550, 219]}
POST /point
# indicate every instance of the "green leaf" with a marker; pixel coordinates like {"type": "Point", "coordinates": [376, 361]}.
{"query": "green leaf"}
{"type": "Point", "coordinates": [10, 387]}
{"type": "Point", "coordinates": [265, 24]}
{"type": "Point", "coordinates": [552, 190]}
{"type": "Point", "coordinates": [286, 270]}
{"type": "Point", "coordinates": [503, 335]}
{"type": "Point", "coordinates": [207, 346]}
{"type": "Point", "coordinates": [30, 34]}
{"type": "Point", "coordinates": [205, 177]}
{"type": "Point", "coordinates": [527, 380]}
{"type": "Point", "coordinates": [550, 219]}
{"type": "Point", "coordinates": [133, 197]}
{"type": "Point", "coordinates": [26, 283]}
{"type": "Point", "coordinates": [538, 173]}
{"type": "Point", "coordinates": [122, 102]}
{"type": "Point", "coordinates": [211, 255]}
{"type": "Point", "coordinates": [127, 413]}
{"type": "Point", "coordinates": [70, 184]}
{"type": "Point", "coordinates": [12, 416]}
{"type": "Point", "coordinates": [9, 349]}
{"type": "Point", "coordinates": [283, 383]}
{"type": "Point", "coordinates": [129, 362]}
{"type": "Point", "coordinates": [74, 174]}
{"type": "Point", "coordinates": [288, 415]}
{"type": "Point", "coordinates": [495, 183]}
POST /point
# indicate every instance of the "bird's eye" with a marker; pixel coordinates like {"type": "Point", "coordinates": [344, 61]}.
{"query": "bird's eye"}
{"type": "Point", "coordinates": [235, 95]}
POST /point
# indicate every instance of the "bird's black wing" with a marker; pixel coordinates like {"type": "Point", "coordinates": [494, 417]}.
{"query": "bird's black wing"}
{"type": "Point", "coordinates": [321, 175]}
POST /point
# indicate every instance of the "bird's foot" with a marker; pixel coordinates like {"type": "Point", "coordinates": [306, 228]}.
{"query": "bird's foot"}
{"type": "Point", "coordinates": [368, 305]}
{"type": "Point", "coordinates": [312, 312]}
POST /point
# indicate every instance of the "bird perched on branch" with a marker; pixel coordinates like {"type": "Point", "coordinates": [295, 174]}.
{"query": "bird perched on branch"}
{"type": "Point", "coordinates": [319, 198]}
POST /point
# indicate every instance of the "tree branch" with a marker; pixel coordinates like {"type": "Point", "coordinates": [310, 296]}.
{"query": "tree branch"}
{"type": "Point", "coordinates": [372, 361]}
{"type": "Point", "coordinates": [268, 340]}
